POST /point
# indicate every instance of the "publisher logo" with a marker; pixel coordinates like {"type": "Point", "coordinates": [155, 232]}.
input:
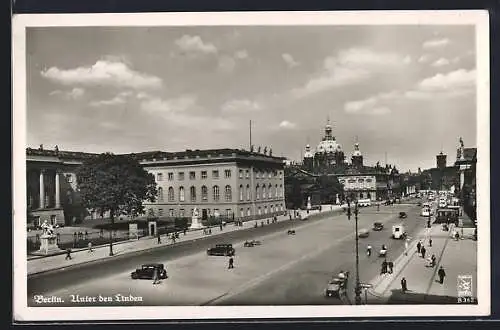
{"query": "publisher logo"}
{"type": "Point", "coordinates": [464, 285]}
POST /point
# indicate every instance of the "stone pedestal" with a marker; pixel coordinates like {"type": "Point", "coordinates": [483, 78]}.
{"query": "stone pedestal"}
{"type": "Point", "coordinates": [48, 245]}
{"type": "Point", "coordinates": [195, 223]}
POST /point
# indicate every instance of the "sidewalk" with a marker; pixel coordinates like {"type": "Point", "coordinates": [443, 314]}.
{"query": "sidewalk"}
{"type": "Point", "coordinates": [81, 256]}
{"type": "Point", "coordinates": [456, 257]}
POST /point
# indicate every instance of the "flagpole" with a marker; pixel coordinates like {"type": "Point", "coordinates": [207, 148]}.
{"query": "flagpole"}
{"type": "Point", "coordinates": [250, 147]}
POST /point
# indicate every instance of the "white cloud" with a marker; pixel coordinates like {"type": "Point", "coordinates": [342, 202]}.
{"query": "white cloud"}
{"type": "Point", "coordinates": [435, 43]}
{"type": "Point", "coordinates": [452, 80]}
{"type": "Point", "coordinates": [101, 73]}
{"type": "Point", "coordinates": [241, 54]}
{"type": "Point", "coordinates": [289, 60]}
{"type": "Point", "coordinates": [441, 62]}
{"type": "Point", "coordinates": [74, 94]}
{"type": "Point", "coordinates": [407, 60]}
{"type": "Point", "coordinates": [241, 106]}
{"type": "Point", "coordinates": [194, 44]}
{"type": "Point", "coordinates": [158, 105]}
{"type": "Point", "coordinates": [371, 106]}
{"type": "Point", "coordinates": [227, 64]}
{"type": "Point", "coordinates": [287, 125]}
{"type": "Point", "coordinates": [424, 58]}
{"type": "Point", "coordinates": [118, 99]}
{"type": "Point", "coordinates": [349, 67]}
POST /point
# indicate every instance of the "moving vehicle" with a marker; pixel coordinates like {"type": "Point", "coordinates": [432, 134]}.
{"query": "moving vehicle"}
{"type": "Point", "coordinates": [398, 232]}
{"type": "Point", "coordinates": [364, 202]}
{"type": "Point", "coordinates": [426, 212]}
{"type": "Point", "coordinates": [221, 250]}
{"type": "Point", "coordinates": [291, 232]}
{"type": "Point", "coordinates": [447, 215]}
{"type": "Point", "coordinates": [378, 226]}
{"type": "Point", "coordinates": [337, 286]}
{"type": "Point", "coordinates": [363, 233]}
{"type": "Point", "coordinates": [147, 271]}
{"type": "Point", "coordinates": [403, 215]}
{"type": "Point", "coordinates": [251, 243]}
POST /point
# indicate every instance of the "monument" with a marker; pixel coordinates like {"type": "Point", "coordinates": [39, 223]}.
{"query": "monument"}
{"type": "Point", "coordinates": [337, 199]}
{"type": "Point", "coordinates": [195, 221]}
{"type": "Point", "coordinates": [309, 203]}
{"type": "Point", "coordinates": [48, 241]}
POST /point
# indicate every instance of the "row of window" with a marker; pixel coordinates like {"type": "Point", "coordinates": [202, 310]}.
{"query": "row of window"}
{"type": "Point", "coordinates": [354, 181]}
{"type": "Point", "coordinates": [215, 175]}
{"type": "Point", "coordinates": [260, 192]}
{"type": "Point", "coordinates": [228, 212]}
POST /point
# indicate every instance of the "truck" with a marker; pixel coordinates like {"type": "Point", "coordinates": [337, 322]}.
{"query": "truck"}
{"type": "Point", "coordinates": [398, 231]}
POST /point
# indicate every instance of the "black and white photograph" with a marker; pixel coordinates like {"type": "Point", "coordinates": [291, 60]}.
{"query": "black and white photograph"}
{"type": "Point", "coordinates": [264, 165]}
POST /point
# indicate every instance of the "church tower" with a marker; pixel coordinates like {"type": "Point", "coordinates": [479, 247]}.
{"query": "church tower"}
{"type": "Point", "coordinates": [357, 157]}
{"type": "Point", "coordinates": [441, 161]}
{"type": "Point", "coordinates": [308, 159]}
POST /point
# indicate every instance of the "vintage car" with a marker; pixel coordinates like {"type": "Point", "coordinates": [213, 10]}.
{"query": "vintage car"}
{"type": "Point", "coordinates": [147, 271]}
{"type": "Point", "coordinates": [251, 243]}
{"type": "Point", "coordinates": [337, 286]}
{"type": "Point", "coordinates": [447, 215]}
{"type": "Point", "coordinates": [402, 215]}
{"type": "Point", "coordinates": [363, 233]}
{"type": "Point", "coordinates": [378, 226]}
{"type": "Point", "coordinates": [221, 250]}
{"type": "Point", "coordinates": [291, 232]}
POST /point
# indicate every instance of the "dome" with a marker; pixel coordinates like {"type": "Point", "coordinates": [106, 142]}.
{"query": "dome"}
{"type": "Point", "coordinates": [308, 153]}
{"type": "Point", "coordinates": [356, 152]}
{"type": "Point", "coordinates": [327, 146]}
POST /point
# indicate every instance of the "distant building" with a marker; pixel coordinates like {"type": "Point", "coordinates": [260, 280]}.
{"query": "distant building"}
{"type": "Point", "coordinates": [441, 161]}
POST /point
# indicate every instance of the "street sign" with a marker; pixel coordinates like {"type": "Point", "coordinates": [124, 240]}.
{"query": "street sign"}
{"type": "Point", "coordinates": [365, 285]}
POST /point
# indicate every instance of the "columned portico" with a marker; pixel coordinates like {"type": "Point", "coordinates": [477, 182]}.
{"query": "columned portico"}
{"type": "Point", "coordinates": [42, 189]}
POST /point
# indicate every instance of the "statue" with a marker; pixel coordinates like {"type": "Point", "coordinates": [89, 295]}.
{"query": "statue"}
{"type": "Point", "coordinates": [195, 223]}
{"type": "Point", "coordinates": [258, 150]}
{"type": "Point", "coordinates": [265, 150]}
{"type": "Point", "coordinates": [270, 152]}
{"type": "Point", "coordinates": [41, 147]}
{"type": "Point", "coordinates": [251, 148]}
{"type": "Point", "coordinates": [356, 146]}
{"type": "Point", "coordinates": [195, 212]}
{"type": "Point", "coordinates": [56, 148]}
{"type": "Point", "coordinates": [460, 151]}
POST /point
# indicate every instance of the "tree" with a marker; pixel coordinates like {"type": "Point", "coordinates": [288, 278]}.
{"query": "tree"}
{"type": "Point", "coordinates": [116, 184]}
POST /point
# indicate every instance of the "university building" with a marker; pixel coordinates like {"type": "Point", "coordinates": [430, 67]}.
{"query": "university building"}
{"type": "Point", "coordinates": [225, 182]}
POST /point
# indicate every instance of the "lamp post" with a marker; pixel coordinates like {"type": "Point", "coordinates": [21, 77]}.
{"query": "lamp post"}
{"type": "Point", "coordinates": [357, 289]}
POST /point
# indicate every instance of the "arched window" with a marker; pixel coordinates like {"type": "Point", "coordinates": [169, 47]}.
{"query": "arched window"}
{"type": "Point", "coordinates": [361, 195]}
{"type": "Point", "coordinates": [181, 194]}
{"type": "Point", "coordinates": [248, 212]}
{"type": "Point", "coordinates": [192, 193]}
{"type": "Point", "coordinates": [241, 192]}
{"type": "Point", "coordinates": [248, 192]}
{"type": "Point", "coordinates": [263, 191]}
{"type": "Point", "coordinates": [171, 194]}
{"type": "Point", "coordinates": [257, 192]}
{"type": "Point", "coordinates": [280, 193]}
{"type": "Point", "coordinates": [204, 193]}
{"type": "Point", "coordinates": [228, 193]}
{"type": "Point", "coordinates": [276, 191]}
{"type": "Point", "coordinates": [160, 194]}
{"type": "Point", "coordinates": [368, 195]}
{"type": "Point", "coordinates": [216, 193]}
{"type": "Point", "coordinates": [269, 189]}
{"type": "Point", "coordinates": [265, 209]}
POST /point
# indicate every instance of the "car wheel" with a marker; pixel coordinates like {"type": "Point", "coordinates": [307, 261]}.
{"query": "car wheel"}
{"type": "Point", "coordinates": [134, 277]}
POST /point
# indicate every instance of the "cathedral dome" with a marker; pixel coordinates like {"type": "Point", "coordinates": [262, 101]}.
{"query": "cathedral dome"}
{"type": "Point", "coordinates": [328, 146]}
{"type": "Point", "coordinates": [308, 153]}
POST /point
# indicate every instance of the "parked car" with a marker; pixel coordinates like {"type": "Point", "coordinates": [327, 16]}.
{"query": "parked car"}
{"type": "Point", "coordinates": [147, 270]}
{"type": "Point", "coordinates": [251, 243]}
{"type": "Point", "coordinates": [291, 232]}
{"type": "Point", "coordinates": [363, 233]}
{"type": "Point", "coordinates": [337, 286]}
{"type": "Point", "coordinates": [378, 226]}
{"type": "Point", "coordinates": [221, 250]}
{"type": "Point", "coordinates": [402, 215]}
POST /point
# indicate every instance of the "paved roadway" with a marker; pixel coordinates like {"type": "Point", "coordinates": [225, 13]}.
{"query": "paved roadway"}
{"type": "Point", "coordinates": [283, 270]}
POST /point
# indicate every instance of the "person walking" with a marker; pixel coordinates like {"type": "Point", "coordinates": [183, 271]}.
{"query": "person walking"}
{"type": "Point", "coordinates": [406, 246]}
{"type": "Point", "coordinates": [90, 247]}
{"type": "Point", "coordinates": [220, 226]}
{"type": "Point", "coordinates": [68, 254]}
{"type": "Point", "coordinates": [433, 260]}
{"type": "Point", "coordinates": [231, 263]}
{"type": "Point", "coordinates": [430, 241]}
{"type": "Point", "coordinates": [156, 280]}
{"type": "Point", "coordinates": [423, 250]}
{"type": "Point", "coordinates": [158, 237]}
{"type": "Point", "coordinates": [290, 216]}
{"type": "Point", "coordinates": [404, 286]}
{"type": "Point", "coordinates": [441, 274]}
{"type": "Point", "coordinates": [419, 245]}
{"type": "Point", "coordinates": [384, 267]}
{"type": "Point", "coordinates": [369, 250]}
{"type": "Point", "coordinates": [390, 264]}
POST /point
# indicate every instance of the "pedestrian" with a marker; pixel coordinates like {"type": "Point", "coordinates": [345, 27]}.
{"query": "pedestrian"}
{"type": "Point", "coordinates": [369, 250]}
{"type": "Point", "coordinates": [404, 286]}
{"type": "Point", "coordinates": [158, 238]}
{"type": "Point", "coordinates": [155, 276]}
{"type": "Point", "coordinates": [457, 235]}
{"type": "Point", "coordinates": [433, 260]}
{"type": "Point", "coordinates": [406, 247]}
{"type": "Point", "coordinates": [384, 267]}
{"type": "Point", "coordinates": [255, 226]}
{"type": "Point", "coordinates": [390, 264]}
{"type": "Point", "coordinates": [262, 223]}
{"type": "Point", "coordinates": [267, 221]}
{"type": "Point", "coordinates": [220, 226]}
{"type": "Point", "coordinates": [90, 247]}
{"type": "Point", "coordinates": [290, 215]}
{"type": "Point", "coordinates": [419, 245]}
{"type": "Point", "coordinates": [430, 241]}
{"type": "Point", "coordinates": [441, 274]}
{"type": "Point", "coordinates": [423, 250]}
{"type": "Point", "coordinates": [185, 230]}
{"type": "Point", "coordinates": [68, 254]}
{"type": "Point", "coordinates": [231, 263]}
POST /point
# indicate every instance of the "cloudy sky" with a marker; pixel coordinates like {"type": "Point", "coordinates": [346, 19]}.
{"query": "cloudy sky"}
{"type": "Point", "coordinates": [408, 91]}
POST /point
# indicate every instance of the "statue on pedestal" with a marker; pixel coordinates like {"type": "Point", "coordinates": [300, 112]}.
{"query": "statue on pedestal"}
{"type": "Point", "coordinates": [270, 152]}
{"type": "Point", "coordinates": [460, 150]}
{"type": "Point", "coordinates": [258, 150]}
{"type": "Point", "coordinates": [195, 223]}
{"type": "Point", "coordinates": [251, 148]}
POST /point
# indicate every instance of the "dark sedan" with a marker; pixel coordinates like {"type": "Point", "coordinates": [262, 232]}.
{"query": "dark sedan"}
{"type": "Point", "coordinates": [378, 226]}
{"type": "Point", "coordinates": [147, 272]}
{"type": "Point", "coordinates": [221, 250]}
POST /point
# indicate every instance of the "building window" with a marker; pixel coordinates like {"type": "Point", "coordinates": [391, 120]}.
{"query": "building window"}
{"type": "Point", "coordinates": [257, 195]}
{"type": "Point", "coordinates": [263, 192]}
{"type": "Point", "coordinates": [248, 212]}
{"type": "Point", "coordinates": [160, 194]}
{"type": "Point", "coordinates": [368, 180]}
{"type": "Point", "coordinates": [259, 211]}
{"type": "Point", "coordinates": [159, 176]}
{"type": "Point", "coordinates": [281, 174]}
{"type": "Point", "coordinates": [192, 193]}
{"type": "Point", "coordinates": [276, 191]}
{"type": "Point", "coordinates": [181, 176]}
{"type": "Point", "coordinates": [265, 209]}
{"type": "Point", "coordinates": [203, 174]}
{"type": "Point", "coordinates": [171, 213]}
{"type": "Point", "coordinates": [181, 213]}
{"type": "Point", "coordinates": [192, 175]}
{"type": "Point", "coordinates": [160, 212]}
{"type": "Point", "coordinates": [204, 193]}
{"type": "Point", "coordinates": [170, 194]}
{"type": "Point", "coordinates": [269, 175]}
{"type": "Point", "coordinates": [269, 189]}
{"type": "Point", "coordinates": [271, 209]}
{"type": "Point", "coordinates": [181, 194]}
{"type": "Point", "coordinates": [281, 190]}
{"type": "Point", "coordinates": [227, 174]}
{"type": "Point", "coordinates": [241, 192]}
{"type": "Point", "coordinates": [216, 212]}
{"type": "Point", "coordinates": [241, 174]}
{"type": "Point", "coordinates": [228, 213]}
{"type": "Point", "coordinates": [170, 176]}
{"type": "Point", "coordinates": [368, 195]}
{"type": "Point", "coordinates": [361, 195]}
{"type": "Point", "coordinates": [248, 192]}
{"type": "Point", "coordinates": [215, 174]}
{"type": "Point", "coordinates": [242, 213]}
{"type": "Point", "coordinates": [247, 174]}
{"type": "Point", "coordinates": [257, 174]}
{"type": "Point", "coordinates": [216, 193]}
{"type": "Point", "coordinates": [69, 178]}
{"type": "Point", "coordinates": [361, 180]}
{"type": "Point", "coordinates": [228, 194]}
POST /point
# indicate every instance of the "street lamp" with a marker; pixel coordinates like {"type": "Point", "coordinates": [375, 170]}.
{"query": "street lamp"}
{"type": "Point", "coordinates": [357, 289]}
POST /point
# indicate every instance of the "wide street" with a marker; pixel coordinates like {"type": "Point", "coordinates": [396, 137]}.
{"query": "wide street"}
{"type": "Point", "coordinates": [285, 269]}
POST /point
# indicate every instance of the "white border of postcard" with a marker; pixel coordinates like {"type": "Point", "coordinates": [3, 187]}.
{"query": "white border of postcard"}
{"type": "Point", "coordinates": [473, 17]}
